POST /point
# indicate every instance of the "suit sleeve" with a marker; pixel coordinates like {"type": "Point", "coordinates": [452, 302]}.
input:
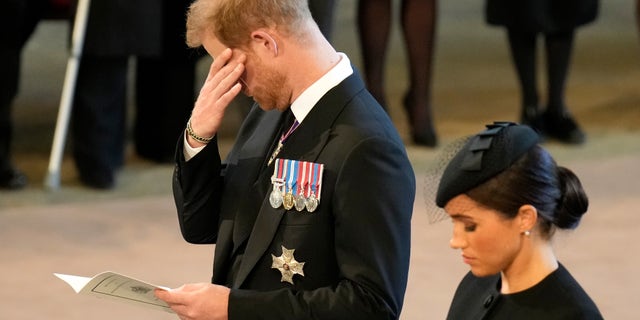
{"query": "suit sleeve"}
{"type": "Point", "coordinates": [197, 190]}
{"type": "Point", "coordinates": [372, 205]}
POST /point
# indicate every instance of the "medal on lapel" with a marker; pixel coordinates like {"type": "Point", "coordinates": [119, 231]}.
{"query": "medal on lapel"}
{"type": "Point", "coordinates": [287, 265]}
{"type": "Point", "coordinates": [296, 184]}
{"type": "Point", "coordinates": [288, 197]}
{"type": "Point", "coordinates": [299, 200]}
{"type": "Point", "coordinates": [277, 180]}
{"type": "Point", "coordinates": [315, 182]}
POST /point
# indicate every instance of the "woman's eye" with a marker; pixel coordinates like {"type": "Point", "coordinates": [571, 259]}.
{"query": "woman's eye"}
{"type": "Point", "coordinates": [470, 227]}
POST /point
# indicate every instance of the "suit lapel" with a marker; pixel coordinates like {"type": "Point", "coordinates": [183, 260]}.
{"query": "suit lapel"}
{"type": "Point", "coordinates": [249, 167]}
{"type": "Point", "coordinates": [306, 143]}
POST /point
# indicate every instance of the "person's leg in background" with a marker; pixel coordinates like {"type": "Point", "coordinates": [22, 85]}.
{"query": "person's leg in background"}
{"type": "Point", "coordinates": [165, 89]}
{"type": "Point", "coordinates": [323, 12]}
{"type": "Point", "coordinates": [638, 16]}
{"type": "Point", "coordinates": [558, 121]}
{"type": "Point", "coordinates": [419, 30]}
{"type": "Point", "coordinates": [374, 27]}
{"type": "Point", "coordinates": [522, 45]}
{"type": "Point", "coordinates": [98, 119]}
{"type": "Point", "coordinates": [18, 19]}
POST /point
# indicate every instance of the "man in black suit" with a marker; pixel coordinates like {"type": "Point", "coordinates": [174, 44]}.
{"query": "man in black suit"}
{"type": "Point", "coordinates": [310, 211]}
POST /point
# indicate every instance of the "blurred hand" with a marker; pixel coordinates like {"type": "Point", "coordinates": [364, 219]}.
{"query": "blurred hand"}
{"type": "Point", "coordinates": [197, 301]}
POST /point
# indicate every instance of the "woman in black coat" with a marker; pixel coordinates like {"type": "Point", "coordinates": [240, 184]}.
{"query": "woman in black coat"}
{"type": "Point", "coordinates": [556, 21]}
{"type": "Point", "coordinates": [506, 197]}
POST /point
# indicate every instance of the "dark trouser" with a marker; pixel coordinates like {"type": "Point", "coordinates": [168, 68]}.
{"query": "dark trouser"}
{"type": "Point", "coordinates": [18, 19]}
{"type": "Point", "coordinates": [164, 99]}
{"type": "Point", "coordinates": [323, 13]}
{"type": "Point", "coordinates": [99, 114]}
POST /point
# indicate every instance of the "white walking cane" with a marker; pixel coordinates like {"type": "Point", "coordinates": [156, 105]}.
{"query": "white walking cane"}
{"type": "Point", "coordinates": [52, 180]}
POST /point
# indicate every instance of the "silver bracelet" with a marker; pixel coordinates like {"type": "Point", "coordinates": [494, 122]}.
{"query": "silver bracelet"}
{"type": "Point", "coordinates": [195, 136]}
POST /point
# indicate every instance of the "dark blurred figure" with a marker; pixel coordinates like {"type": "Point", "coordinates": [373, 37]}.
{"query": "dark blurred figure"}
{"type": "Point", "coordinates": [418, 18]}
{"type": "Point", "coordinates": [165, 88]}
{"type": "Point", "coordinates": [153, 31]}
{"type": "Point", "coordinates": [638, 15]}
{"type": "Point", "coordinates": [323, 12]}
{"type": "Point", "coordinates": [18, 20]}
{"type": "Point", "coordinates": [556, 22]}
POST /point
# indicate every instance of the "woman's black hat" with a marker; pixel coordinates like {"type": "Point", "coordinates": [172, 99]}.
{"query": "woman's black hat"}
{"type": "Point", "coordinates": [485, 155]}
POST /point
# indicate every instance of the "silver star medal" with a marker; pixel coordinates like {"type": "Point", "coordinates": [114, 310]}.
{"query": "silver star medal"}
{"type": "Point", "coordinates": [287, 265]}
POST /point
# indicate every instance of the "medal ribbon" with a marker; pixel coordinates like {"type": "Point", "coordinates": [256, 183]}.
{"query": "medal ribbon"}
{"type": "Point", "coordinates": [292, 174]}
{"type": "Point", "coordinates": [286, 135]}
{"type": "Point", "coordinates": [301, 177]}
{"type": "Point", "coordinates": [308, 179]}
{"type": "Point", "coordinates": [318, 183]}
{"type": "Point", "coordinates": [285, 167]}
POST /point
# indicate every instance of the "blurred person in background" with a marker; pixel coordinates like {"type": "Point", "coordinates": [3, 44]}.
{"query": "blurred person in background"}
{"type": "Point", "coordinates": [418, 20]}
{"type": "Point", "coordinates": [18, 20]}
{"type": "Point", "coordinates": [556, 22]}
{"type": "Point", "coordinates": [152, 31]}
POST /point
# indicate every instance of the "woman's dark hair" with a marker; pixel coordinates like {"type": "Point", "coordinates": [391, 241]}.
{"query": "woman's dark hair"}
{"type": "Point", "coordinates": [535, 179]}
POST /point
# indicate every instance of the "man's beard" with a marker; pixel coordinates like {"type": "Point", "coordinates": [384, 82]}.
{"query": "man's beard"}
{"type": "Point", "coordinates": [270, 92]}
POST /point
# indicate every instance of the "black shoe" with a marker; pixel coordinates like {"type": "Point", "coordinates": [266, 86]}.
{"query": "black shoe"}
{"type": "Point", "coordinates": [426, 137]}
{"type": "Point", "coordinates": [12, 179]}
{"type": "Point", "coordinates": [422, 135]}
{"type": "Point", "coordinates": [98, 179]}
{"type": "Point", "coordinates": [563, 128]}
{"type": "Point", "coordinates": [532, 118]}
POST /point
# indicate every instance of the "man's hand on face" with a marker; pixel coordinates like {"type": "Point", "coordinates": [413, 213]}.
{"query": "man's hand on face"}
{"type": "Point", "coordinates": [220, 88]}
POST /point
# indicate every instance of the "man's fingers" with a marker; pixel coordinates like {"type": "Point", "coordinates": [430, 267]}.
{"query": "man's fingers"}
{"type": "Point", "coordinates": [219, 62]}
{"type": "Point", "coordinates": [224, 84]}
{"type": "Point", "coordinates": [171, 297]}
{"type": "Point", "coordinates": [230, 94]}
{"type": "Point", "coordinates": [223, 79]}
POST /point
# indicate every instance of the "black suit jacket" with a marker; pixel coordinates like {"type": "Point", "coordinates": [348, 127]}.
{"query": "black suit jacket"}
{"type": "Point", "coordinates": [355, 245]}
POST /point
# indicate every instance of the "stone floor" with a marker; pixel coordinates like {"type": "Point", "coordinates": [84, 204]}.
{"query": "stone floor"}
{"type": "Point", "coordinates": [133, 228]}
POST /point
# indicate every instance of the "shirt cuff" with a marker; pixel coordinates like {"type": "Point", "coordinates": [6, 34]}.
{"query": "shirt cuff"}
{"type": "Point", "coordinates": [189, 151]}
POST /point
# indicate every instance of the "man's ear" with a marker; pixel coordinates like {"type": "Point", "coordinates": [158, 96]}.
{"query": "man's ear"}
{"type": "Point", "coordinates": [264, 42]}
{"type": "Point", "coordinates": [527, 217]}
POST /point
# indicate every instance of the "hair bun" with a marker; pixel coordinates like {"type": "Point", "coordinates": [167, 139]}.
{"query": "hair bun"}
{"type": "Point", "coordinates": [573, 203]}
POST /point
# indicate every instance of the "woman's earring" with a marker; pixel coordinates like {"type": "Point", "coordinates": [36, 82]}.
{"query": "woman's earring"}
{"type": "Point", "coordinates": [527, 233]}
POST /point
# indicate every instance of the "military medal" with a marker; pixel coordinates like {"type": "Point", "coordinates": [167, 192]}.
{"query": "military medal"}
{"type": "Point", "coordinates": [288, 200]}
{"type": "Point", "coordinates": [287, 265]}
{"type": "Point", "coordinates": [299, 201]}
{"type": "Point", "coordinates": [277, 180]}
{"type": "Point", "coordinates": [314, 187]}
{"type": "Point", "coordinates": [296, 184]}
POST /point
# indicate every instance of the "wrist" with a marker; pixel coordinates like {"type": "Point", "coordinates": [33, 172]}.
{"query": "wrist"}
{"type": "Point", "coordinates": [193, 136]}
